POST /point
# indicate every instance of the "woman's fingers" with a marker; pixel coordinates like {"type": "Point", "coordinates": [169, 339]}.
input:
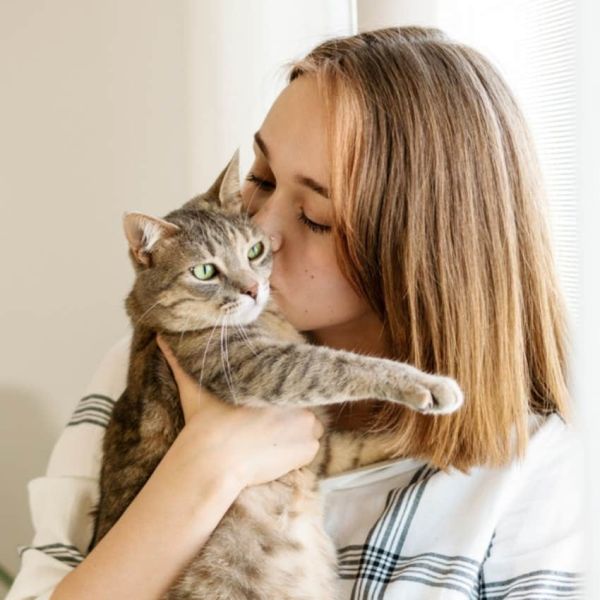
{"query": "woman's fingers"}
{"type": "Point", "coordinates": [192, 395]}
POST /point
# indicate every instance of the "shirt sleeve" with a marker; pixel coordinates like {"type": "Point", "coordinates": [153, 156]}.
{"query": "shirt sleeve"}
{"type": "Point", "coordinates": [537, 550]}
{"type": "Point", "coordinates": [60, 501]}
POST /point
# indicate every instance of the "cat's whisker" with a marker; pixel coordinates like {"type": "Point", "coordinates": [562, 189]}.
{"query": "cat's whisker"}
{"type": "Point", "coordinates": [183, 331]}
{"type": "Point", "coordinates": [146, 312]}
{"type": "Point", "coordinates": [221, 348]}
{"type": "Point", "coordinates": [245, 338]}
{"type": "Point", "coordinates": [206, 349]}
{"type": "Point", "coordinates": [225, 371]}
{"type": "Point", "coordinates": [228, 363]}
{"type": "Point", "coordinates": [227, 359]}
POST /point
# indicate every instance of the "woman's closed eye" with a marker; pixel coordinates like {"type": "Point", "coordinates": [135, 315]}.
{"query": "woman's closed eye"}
{"type": "Point", "coordinates": [268, 186]}
{"type": "Point", "coordinates": [316, 227]}
{"type": "Point", "coordinates": [262, 184]}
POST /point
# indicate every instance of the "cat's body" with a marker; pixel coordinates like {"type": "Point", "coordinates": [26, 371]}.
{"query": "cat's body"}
{"type": "Point", "coordinates": [271, 543]}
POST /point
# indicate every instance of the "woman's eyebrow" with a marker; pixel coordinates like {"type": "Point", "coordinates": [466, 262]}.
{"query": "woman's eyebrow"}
{"type": "Point", "coordinates": [301, 179]}
{"type": "Point", "coordinates": [313, 185]}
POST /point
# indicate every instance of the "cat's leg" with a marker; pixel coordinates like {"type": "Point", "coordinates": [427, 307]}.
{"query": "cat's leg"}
{"type": "Point", "coordinates": [114, 499]}
{"type": "Point", "coordinates": [306, 375]}
{"type": "Point", "coordinates": [131, 453]}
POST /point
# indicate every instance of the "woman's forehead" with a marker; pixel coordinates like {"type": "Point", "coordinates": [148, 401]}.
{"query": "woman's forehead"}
{"type": "Point", "coordinates": [294, 131]}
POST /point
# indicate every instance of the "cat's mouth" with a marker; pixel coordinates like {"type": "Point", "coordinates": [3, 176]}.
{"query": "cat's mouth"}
{"type": "Point", "coordinates": [245, 310]}
{"type": "Point", "coordinates": [231, 309]}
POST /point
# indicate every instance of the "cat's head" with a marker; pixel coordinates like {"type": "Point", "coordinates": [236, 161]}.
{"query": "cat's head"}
{"type": "Point", "coordinates": [204, 264]}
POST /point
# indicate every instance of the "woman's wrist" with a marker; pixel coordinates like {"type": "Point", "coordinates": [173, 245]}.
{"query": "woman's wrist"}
{"type": "Point", "coordinates": [205, 485]}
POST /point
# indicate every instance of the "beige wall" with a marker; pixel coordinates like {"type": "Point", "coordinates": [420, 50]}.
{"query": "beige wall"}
{"type": "Point", "coordinates": [93, 121]}
{"type": "Point", "coordinates": [107, 106]}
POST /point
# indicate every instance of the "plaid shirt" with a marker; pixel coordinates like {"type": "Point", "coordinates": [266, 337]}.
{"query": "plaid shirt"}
{"type": "Point", "coordinates": [403, 529]}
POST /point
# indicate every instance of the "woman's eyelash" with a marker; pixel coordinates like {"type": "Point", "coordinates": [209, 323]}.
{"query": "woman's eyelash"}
{"type": "Point", "coordinates": [267, 186]}
{"type": "Point", "coordinates": [262, 184]}
{"type": "Point", "coordinates": [316, 227]}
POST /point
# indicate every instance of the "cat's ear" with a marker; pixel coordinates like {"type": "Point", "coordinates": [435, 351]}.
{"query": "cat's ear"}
{"type": "Point", "coordinates": [143, 231]}
{"type": "Point", "coordinates": [226, 188]}
{"type": "Point", "coordinates": [229, 192]}
{"type": "Point", "coordinates": [225, 191]}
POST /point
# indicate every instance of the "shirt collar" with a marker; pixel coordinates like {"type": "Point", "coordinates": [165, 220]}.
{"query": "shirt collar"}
{"type": "Point", "coordinates": [368, 474]}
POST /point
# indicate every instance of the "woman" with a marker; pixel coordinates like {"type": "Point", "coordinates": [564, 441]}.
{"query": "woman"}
{"type": "Point", "coordinates": [396, 179]}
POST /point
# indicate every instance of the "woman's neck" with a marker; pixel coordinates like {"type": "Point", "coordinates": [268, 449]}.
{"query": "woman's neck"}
{"type": "Point", "coordinates": [364, 335]}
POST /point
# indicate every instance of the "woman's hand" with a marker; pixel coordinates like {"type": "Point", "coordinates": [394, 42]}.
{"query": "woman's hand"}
{"type": "Point", "coordinates": [255, 445]}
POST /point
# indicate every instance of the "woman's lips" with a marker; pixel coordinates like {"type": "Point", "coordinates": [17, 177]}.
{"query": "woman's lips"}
{"type": "Point", "coordinates": [273, 291]}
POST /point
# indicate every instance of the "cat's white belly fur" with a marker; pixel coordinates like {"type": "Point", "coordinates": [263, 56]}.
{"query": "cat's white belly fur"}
{"type": "Point", "coordinates": [311, 562]}
{"type": "Point", "coordinates": [271, 545]}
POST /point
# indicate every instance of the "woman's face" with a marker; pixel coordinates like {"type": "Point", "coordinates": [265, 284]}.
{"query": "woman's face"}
{"type": "Point", "coordinates": [285, 193]}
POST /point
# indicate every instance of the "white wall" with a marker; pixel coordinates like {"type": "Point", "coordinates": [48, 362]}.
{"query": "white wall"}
{"type": "Point", "coordinates": [107, 106]}
{"type": "Point", "coordinates": [389, 13]}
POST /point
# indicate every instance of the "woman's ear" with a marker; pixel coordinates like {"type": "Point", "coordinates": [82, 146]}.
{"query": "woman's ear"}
{"type": "Point", "coordinates": [143, 232]}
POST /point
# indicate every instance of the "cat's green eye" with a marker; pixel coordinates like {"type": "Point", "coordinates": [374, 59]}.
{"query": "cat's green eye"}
{"type": "Point", "coordinates": [256, 250]}
{"type": "Point", "coordinates": [204, 272]}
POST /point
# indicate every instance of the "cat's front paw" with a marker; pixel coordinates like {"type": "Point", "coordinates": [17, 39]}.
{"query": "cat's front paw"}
{"type": "Point", "coordinates": [442, 395]}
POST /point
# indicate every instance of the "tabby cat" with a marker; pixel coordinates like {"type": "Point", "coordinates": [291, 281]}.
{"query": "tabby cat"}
{"type": "Point", "coordinates": [202, 281]}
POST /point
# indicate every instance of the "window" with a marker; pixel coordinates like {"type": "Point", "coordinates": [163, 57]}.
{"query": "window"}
{"type": "Point", "coordinates": [532, 42]}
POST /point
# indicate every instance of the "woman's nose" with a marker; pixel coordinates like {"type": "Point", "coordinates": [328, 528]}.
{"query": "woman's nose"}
{"type": "Point", "coordinates": [269, 219]}
{"type": "Point", "coordinates": [276, 240]}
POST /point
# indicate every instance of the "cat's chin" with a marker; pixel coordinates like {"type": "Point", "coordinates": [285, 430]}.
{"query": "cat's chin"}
{"type": "Point", "coordinates": [247, 315]}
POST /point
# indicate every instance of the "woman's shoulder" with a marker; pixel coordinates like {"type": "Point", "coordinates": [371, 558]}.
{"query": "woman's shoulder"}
{"type": "Point", "coordinates": [552, 468]}
{"type": "Point", "coordinates": [554, 444]}
{"type": "Point", "coordinates": [549, 474]}
{"type": "Point", "coordinates": [537, 542]}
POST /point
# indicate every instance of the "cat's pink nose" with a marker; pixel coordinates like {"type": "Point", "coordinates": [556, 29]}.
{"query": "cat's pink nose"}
{"type": "Point", "coordinates": [251, 290]}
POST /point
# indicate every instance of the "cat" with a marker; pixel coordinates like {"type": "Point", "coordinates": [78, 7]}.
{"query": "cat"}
{"type": "Point", "coordinates": [202, 281]}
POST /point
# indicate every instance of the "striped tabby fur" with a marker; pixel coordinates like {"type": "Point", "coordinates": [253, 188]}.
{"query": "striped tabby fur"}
{"type": "Point", "coordinates": [228, 334]}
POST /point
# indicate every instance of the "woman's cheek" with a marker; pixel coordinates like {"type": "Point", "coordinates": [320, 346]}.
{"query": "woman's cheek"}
{"type": "Point", "coordinates": [319, 296]}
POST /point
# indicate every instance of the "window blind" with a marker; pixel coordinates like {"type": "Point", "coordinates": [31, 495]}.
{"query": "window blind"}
{"type": "Point", "coordinates": [532, 42]}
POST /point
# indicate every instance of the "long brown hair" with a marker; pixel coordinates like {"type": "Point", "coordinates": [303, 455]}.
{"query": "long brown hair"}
{"type": "Point", "coordinates": [440, 225]}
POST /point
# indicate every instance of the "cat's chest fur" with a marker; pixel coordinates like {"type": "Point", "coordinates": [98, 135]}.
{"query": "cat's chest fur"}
{"type": "Point", "coordinates": [270, 544]}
